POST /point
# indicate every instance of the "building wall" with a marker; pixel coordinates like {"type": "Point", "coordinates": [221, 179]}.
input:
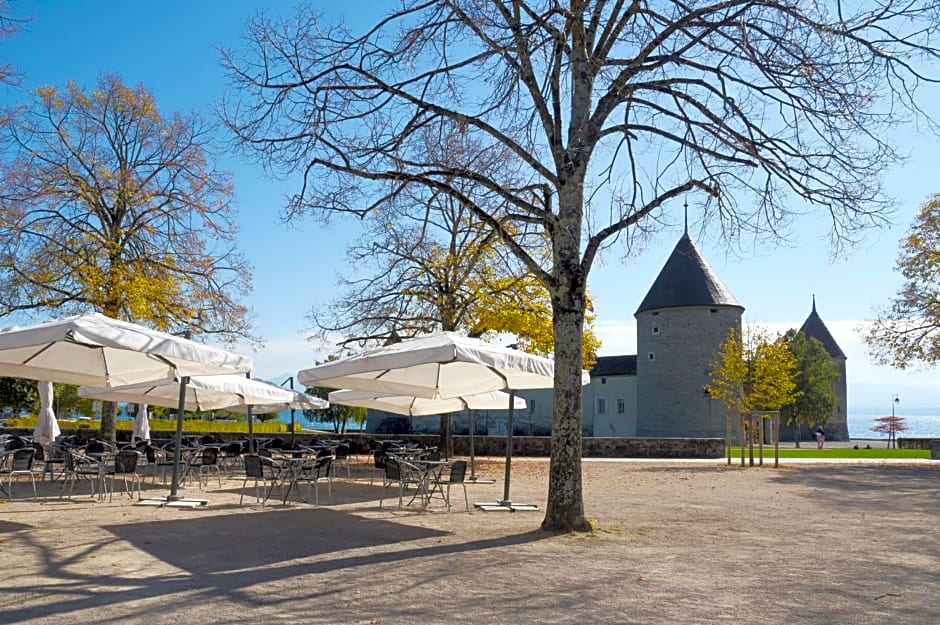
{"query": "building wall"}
{"type": "Point", "coordinates": [675, 351]}
{"type": "Point", "coordinates": [610, 406]}
{"type": "Point", "coordinates": [618, 418]}
{"type": "Point", "coordinates": [838, 428]}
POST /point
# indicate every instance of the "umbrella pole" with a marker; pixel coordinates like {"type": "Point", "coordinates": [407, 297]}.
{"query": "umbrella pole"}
{"type": "Point", "coordinates": [251, 432]}
{"type": "Point", "coordinates": [175, 482]}
{"type": "Point", "coordinates": [473, 466]}
{"type": "Point", "coordinates": [292, 426]}
{"type": "Point", "coordinates": [512, 400]}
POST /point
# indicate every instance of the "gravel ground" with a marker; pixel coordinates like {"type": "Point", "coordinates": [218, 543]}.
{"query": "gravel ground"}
{"type": "Point", "coordinates": [675, 543]}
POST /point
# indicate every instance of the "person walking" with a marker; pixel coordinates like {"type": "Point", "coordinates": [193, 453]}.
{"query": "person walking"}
{"type": "Point", "coordinates": [820, 437]}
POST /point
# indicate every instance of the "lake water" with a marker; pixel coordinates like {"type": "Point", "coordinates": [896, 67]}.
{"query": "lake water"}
{"type": "Point", "coordinates": [920, 422]}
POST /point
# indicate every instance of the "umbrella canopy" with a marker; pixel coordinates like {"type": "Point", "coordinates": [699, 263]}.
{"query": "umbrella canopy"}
{"type": "Point", "coordinates": [47, 428]}
{"type": "Point", "coordinates": [443, 365]}
{"type": "Point", "coordinates": [96, 350]}
{"type": "Point", "coordinates": [141, 424]}
{"type": "Point", "coordinates": [207, 392]}
{"type": "Point", "coordinates": [420, 406]}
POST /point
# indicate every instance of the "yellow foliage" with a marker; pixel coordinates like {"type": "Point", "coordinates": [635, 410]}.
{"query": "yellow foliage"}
{"type": "Point", "coordinates": [754, 373]}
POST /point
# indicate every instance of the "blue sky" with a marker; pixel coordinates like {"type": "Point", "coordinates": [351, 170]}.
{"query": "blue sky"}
{"type": "Point", "coordinates": [171, 47]}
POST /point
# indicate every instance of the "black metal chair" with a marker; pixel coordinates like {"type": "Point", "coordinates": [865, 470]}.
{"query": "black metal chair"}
{"type": "Point", "coordinates": [260, 469]}
{"type": "Point", "coordinates": [79, 467]}
{"type": "Point", "coordinates": [394, 474]}
{"type": "Point", "coordinates": [207, 461]}
{"type": "Point", "coordinates": [341, 458]}
{"type": "Point", "coordinates": [458, 471]}
{"type": "Point", "coordinates": [314, 472]}
{"type": "Point", "coordinates": [125, 465]}
{"type": "Point", "coordinates": [20, 462]}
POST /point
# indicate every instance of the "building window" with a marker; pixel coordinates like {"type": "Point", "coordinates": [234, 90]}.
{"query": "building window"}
{"type": "Point", "coordinates": [603, 380]}
{"type": "Point", "coordinates": [652, 357]}
{"type": "Point", "coordinates": [621, 406]}
{"type": "Point", "coordinates": [531, 406]}
{"type": "Point", "coordinates": [714, 310]}
{"type": "Point", "coordinates": [655, 329]}
{"type": "Point", "coordinates": [601, 406]}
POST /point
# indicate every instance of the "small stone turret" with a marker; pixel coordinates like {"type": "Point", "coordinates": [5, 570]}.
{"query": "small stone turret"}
{"type": "Point", "coordinates": [838, 427]}
{"type": "Point", "coordinates": [681, 325]}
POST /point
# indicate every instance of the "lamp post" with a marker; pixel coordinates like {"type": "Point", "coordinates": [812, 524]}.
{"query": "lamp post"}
{"type": "Point", "coordinates": [291, 380]}
{"type": "Point", "coordinates": [895, 400]}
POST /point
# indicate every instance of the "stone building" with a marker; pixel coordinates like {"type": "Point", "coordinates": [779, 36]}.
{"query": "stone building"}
{"type": "Point", "coordinates": [838, 426]}
{"type": "Point", "coordinates": [659, 392]}
{"type": "Point", "coordinates": [681, 323]}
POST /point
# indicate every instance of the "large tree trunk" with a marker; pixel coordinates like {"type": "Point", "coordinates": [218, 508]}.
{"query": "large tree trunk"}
{"type": "Point", "coordinates": [565, 510]}
{"type": "Point", "coordinates": [109, 421]}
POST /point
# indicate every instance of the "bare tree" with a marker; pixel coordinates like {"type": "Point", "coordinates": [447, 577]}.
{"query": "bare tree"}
{"type": "Point", "coordinates": [9, 25]}
{"type": "Point", "coordinates": [108, 205]}
{"type": "Point", "coordinates": [613, 112]}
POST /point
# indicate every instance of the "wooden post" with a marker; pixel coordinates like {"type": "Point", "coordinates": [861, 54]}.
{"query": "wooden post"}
{"type": "Point", "coordinates": [776, 426]}
{"type": "Point", "coordinates": [760, 439]}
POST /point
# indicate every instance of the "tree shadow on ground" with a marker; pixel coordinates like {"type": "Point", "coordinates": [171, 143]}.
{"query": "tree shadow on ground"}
{"type": "Point", "coordinates": [228, 555]}
{"type": "Point", "coordinates": [9, 526]}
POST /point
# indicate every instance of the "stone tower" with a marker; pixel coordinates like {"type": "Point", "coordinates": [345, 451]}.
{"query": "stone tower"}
{"type": "Point", "coordinates": [681, 324]}
{"type": "Point", "coordinates": [838, 428]}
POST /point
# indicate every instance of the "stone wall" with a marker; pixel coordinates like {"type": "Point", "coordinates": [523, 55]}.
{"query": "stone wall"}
{"type": "Point", "coordinates": [535, 446]}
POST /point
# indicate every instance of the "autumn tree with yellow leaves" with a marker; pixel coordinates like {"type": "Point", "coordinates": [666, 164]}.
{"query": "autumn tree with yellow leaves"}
{"type": "Point", "coordinates": [109, 205]}
{"type": "Point", "coordinates": [753, 372]}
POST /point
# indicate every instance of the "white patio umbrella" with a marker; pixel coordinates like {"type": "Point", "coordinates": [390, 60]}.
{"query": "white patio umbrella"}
{"type": "Point", "coordinates": [93, 349]}
{"type": "Point", "coordinates": [235, 393]}
{"type": "Point", "coordinates": [420, 406]}
{"type": "Point", "coordinates": [96, 350]}
{"type": "Point", "coordinates": [444, 365]}
{"type": "Point", "coordinates": [47, 428]}
{"type": "Point", "coordinates": [141, 424]}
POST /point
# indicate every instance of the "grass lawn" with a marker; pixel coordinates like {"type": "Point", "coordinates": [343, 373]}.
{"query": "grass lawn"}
{"type": "Point", "coordinates": [838, 452]}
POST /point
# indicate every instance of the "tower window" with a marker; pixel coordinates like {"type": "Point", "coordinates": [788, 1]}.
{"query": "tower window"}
{"type": "Point", "coordinates": [714, 310]}
{"type": "Point", "coordinates": [655, 329]}
{"type": "Point", "coordinates": [655, 313]}
{"type": "Point", "coordinates": [652, 357]}
{"type": "Point", "coordinates": [603, 380]}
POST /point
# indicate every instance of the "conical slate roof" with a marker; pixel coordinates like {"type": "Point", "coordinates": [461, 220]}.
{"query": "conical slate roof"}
{"type": "Point", "coordinates": [815, 328]}
{"type": "Point", "coordinates": [687, 280]}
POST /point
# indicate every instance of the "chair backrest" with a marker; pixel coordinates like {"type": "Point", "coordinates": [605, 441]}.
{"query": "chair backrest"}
{"type": "Point", "coordinates": [253, 468]}
{"type": "Point", "coordinates": [69, 461]}
{"type": "Point", "coordinates": [40, 454]}
{"type": "Point", "coordinates": [125, 461]}
{"type": "Point", "coordinates": [210, 456]}
{"type": "Point", "coordinates": [95, 447]}
{"type": "Point", "coordinates": [379, 459]}
{"type": "Point", "coordinates": [392, 469]}
{"type": "Point", "coordinates": [323, 466]}
{"type": "Point", "coordinates": [341, 452]}
{"type": "Point", "coordinates": [151, 453]}
{"type": "Point", "coordinates": [458, 471]}
{"type": "Point", "coordinates": [23, 459]}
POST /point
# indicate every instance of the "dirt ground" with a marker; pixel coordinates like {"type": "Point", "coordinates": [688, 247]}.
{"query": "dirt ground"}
{"type": "Point", "coordinates": [675, 543]}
